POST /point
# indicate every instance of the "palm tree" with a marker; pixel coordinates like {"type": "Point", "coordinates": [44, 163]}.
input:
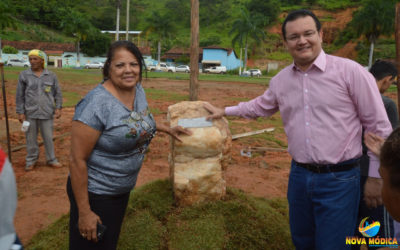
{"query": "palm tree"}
{"type": "Point", "coordinates": [162, 26]}
{"type": "Point", "coordinates": [245, 27]}
{"type": "Point", "coordinates": [375, 18]}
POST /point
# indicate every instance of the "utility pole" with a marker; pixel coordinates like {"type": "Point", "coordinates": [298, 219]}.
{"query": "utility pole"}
{"type": "Point", "coordinates": [397, 35]}
{"type": "Point", "coordinates": [117, 25]}
{"type": "Point", "coordinates": [3, 86]}
{"type": "Point", "coordinates": [194, 52]}
{"type": "Point", "coordinates": [127, 20]}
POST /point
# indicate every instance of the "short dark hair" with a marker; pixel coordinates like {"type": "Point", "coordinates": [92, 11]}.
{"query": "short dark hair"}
{"type": "Point", "coordinates": [390, 158]}
{"type": "Point", "coordinates": [296, 14]}
{"type": "Point", "coordinates": [131, 47]}
{"type": "Point", "coordinates": [381, 69]}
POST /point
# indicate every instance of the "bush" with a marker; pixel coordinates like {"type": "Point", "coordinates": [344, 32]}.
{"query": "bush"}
{"type": "Point", "coordinates": [9, 50]}
{"type": "Point", "coordinates": [233, 71]}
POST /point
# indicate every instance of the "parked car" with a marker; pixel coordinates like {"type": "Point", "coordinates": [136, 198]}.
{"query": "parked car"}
{"type": "Point", "coordinates": [183, 68]}
{"type": "Point", "coordinates": [216, 70]}
{"type": "Point", "coordinates": [161, 67]}
{"type": "Point", "coordinates": [252, 72]}
{"type": "Point", "coordinates": [94, 65]}
{"type": "Point", "coordinates": [18, 63]}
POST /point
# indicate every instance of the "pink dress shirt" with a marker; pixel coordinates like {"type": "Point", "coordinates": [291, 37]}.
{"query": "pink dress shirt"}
{"type": "Point", "coordinates": [323, 110]}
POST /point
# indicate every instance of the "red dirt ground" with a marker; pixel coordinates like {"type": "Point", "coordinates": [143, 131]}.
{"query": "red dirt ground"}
{"type": "Point", "coordinates": [41, 193]}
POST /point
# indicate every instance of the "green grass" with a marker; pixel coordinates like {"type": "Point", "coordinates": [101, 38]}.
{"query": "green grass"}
{"type": "Point", "coordinates": [163, 95]}
{"type": "Point", "coordinates": [210, 77]}
{"type": "Point", "coordinates": [392, 89]}
{"type": "Point", "coordinates": [78, 76]}
{"type": "Point", "coordinates": [152, 221]}
{"type": "Point", "coordinates": [53, 237]}
{"type": "Point", "coordinates": [70, 98]}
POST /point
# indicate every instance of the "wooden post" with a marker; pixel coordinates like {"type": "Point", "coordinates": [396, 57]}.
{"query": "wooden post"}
{"type": "Point", "coordinates": [397, 35]}
{"type": "Point", "coordinates": [194, 52]}
{"type": "Point", "coordinates": [3, 86]}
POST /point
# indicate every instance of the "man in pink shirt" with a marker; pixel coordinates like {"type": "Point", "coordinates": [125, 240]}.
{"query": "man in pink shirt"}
{"type": "Point", "coordinates": [324, 101]}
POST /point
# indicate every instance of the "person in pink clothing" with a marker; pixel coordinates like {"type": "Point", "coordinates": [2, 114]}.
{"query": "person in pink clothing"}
{"type": "Point", "coordinates": [325, 101]}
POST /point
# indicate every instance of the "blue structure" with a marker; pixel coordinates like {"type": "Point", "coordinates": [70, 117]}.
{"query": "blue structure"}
{"type": "Point", "coordinates": [217, 56]}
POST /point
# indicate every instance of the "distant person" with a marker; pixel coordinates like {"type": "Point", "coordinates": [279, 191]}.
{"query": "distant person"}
{"type": "Point", "coordinates": [111, 131]}
{"type": "Point", "coordinates": [324, 102]}
{"type": "Point", "coordinates": [385, 75]}
{"type": "Point", "coordinates": [389, 155]}
{"type": "Point", "coordinates": [38, 100]}
{"type": "Point", "coordinates": [8, 205]}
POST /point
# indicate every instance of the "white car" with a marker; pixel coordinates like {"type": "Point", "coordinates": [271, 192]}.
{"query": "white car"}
{"type": "Point", "coordinates": [216, 70]}
{"type": "Point", "coordinates": [252, 72]}
{"type": "Point", "coordinates": [94, 65]}
{"type": "Point", "coordinates": [18, 63]}
{"type": "Point", "coordinates": [182, 68]}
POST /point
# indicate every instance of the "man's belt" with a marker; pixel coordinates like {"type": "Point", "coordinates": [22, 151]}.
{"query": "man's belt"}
{"type": "Point", "coordinates": [327, 168]}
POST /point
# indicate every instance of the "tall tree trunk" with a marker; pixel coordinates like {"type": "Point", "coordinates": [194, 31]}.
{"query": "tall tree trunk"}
{"type": "Point", "coordinates": [117, 23]}
{"type": "Point", "coordinates": [158, 51]}
{"type": "Point", "coordinates": [397, 35]}
{"type": "Point", "coordinates": [194, 52]}
{"type": "Point", "coordinates": [371, 52]}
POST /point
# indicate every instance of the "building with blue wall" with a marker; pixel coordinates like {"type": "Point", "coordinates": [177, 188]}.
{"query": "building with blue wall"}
{"type": "Point", "coordinates": [218, 56]}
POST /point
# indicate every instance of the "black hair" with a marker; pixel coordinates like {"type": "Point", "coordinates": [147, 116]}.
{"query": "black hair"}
{"type": "Point", "coordinates": [390, 158]}
{"type": "Point", "coordinates": [131, 47]}
{"type": "Point", "coordinates": [381, 69]}
{"type": "Point", "coordinates": [296, 14]}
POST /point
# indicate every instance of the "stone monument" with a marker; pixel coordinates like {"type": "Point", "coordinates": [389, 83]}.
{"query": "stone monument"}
{"type": "Point", "coordinates": [198, 162]}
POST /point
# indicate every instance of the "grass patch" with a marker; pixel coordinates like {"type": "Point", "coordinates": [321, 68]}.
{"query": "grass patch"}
{"type": "Point", "coordinates": [162, 95]}
{"type": "Point", "coordinates": [152, 221]}
{"type": "Point", "coordinates": [78, 76]}
{"type": "Point", "coordinates": [156, 111]}
{"type": "Point", "coordinates": [238, 99]}
{"type": "Point", "coordinates": [392, 89]}
{"type": "Point", "coordinates": [70, 98]}
{"type": "Point", "coordinates": [54, 237]}
{"type": "Point", "coordinates": [210, 77]}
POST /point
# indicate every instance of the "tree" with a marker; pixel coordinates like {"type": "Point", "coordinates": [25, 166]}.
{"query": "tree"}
{"type": "Point", "coordinates": [210, 40]}
{"type": "Point", "coordinates": [267, 10]}
{"type": "Point", "coordinates": [161, 26]}
{"type": "Point", "coordinates": [75, 24]}
{"type": "Point", "coordinates": [245, 27]}
{"type": "Point", "coordinates": [375, 18]}
{"type": "Point", "coordinates": [214, 11]}
{"type": "Point", "coordinates": [7, 11]}
{"type": "Point", "coordinates": [96, 44]}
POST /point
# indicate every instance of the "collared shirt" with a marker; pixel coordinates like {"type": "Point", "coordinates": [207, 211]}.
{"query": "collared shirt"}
{"type": "Point", "coordinates": [323, 110]}
{"type": "Point", "coordinates": [114, 164]}
{"type": "Point", "coordinates": [37, 97]}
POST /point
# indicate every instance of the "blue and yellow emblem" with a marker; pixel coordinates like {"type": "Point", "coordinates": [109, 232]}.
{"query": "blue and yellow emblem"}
{"type": "Point", "coordinates": [369, 229]}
